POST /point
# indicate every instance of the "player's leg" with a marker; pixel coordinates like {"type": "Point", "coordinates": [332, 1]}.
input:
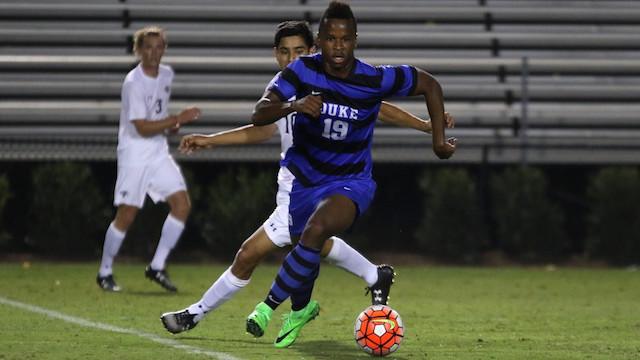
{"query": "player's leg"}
{"type": "Point", "coordinates": [338, 252]}
{"type": "Point", "coordinates": [277, 229]}
{"type": "Point", "coordinates": [378, 278]}
{"type": "Point", "coordinates": [250, 254]}
{"type": "Point", "coordinates": [168, 184]}
{"type": "Point", "coordinates": [172, 228]}
{"type": "Point", "coordinates": [113, 238]}
{"type": "Point", "coordinates": [273, 233]}
{"type": "Point", "coordinates": [171, 231]}
{"type": "Point", "coordinates": [128, 197]}
{"type": "Point", "coordinates": [332, 215]}
{"type": "Point", "coordinates": [299, 270]}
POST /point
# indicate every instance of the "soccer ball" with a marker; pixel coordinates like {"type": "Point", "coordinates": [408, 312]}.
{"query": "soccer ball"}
{"type": "Point", "coordinates": [379, 330]}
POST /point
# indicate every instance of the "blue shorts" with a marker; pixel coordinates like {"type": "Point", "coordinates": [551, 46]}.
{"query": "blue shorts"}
{"type": "Point", "coordinates": [304, 200]}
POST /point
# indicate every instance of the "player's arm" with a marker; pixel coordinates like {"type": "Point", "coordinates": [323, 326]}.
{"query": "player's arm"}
{"type": "Point", "coordinates": [248, 134]}
{"type": "Point", "coordinates": [270, 108]}
{"type": "Point", "coordinates": [429, 87]}
{"type": "Point", "coordinates": [393, 114]}
{"type": "Point", "coordinates": [151, 127]}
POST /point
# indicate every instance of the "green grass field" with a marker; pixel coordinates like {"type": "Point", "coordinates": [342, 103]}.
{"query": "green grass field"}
{"type": "Point", "coordinates": [449, 313]}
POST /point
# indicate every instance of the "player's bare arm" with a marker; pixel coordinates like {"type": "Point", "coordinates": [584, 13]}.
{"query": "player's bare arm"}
{"type": "Point", "coordinates": [270, 108]}
{"type": "Point", "coordinates": [430, 88]}
{"type": "Point", "coordinates": [395, 115]}
{"type": "Point", "coordinates": [150, 128]}
{"type": "Point", "coordinates": [248, 134]}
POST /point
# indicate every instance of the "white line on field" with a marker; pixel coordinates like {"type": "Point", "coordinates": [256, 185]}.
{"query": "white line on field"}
{"type": "Point", "coordinates": [101, 326]}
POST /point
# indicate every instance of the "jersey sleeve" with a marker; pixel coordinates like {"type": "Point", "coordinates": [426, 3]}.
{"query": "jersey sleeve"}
{"type": "Point", "coordinates": [134, 97]}
{"type": "Point", "coordinates": [286, 84]}
{"type": "Point", "coordinates": [398, 80]}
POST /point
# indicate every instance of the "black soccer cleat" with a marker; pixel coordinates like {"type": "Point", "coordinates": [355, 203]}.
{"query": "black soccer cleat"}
{"type": "Point", "coordinates": [179, 321]}
{"type": "Point", "coordinates": [161, 277]}
{"type": "Point", "coordinates": [107, 283]}
{"type": "Point", "coordinates": [380, 290]}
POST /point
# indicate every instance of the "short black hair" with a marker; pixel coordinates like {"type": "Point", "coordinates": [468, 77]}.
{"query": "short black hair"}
{"type": "Point", "coordinates": [293, 28]}
{"type": "Point", "coordinates": [338, 10]}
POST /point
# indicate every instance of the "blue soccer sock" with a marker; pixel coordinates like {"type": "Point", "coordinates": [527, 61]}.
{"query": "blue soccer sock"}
{"type": "Point", "coordinates": [298, 270]}
{"type": "Point", "coordinates": [300, 299]}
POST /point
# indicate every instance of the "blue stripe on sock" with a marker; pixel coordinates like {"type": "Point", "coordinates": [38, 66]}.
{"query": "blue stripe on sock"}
{"type": "Point", "coordinates": [296, 275]}
{"type": "Point", "coordinates": [289, 270]}
{"type": "Point", "coordinates": [289, 281]}
{"type": "Point", "coordinates": [278, 292]}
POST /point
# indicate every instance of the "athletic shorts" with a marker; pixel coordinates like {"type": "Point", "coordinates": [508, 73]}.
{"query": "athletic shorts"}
{"type": "Point", "coordinates": [277, 225]}
{"type": "Point", "coordinates": [159, 180]}
{"type": "Point", "coordinates": [304, 200]}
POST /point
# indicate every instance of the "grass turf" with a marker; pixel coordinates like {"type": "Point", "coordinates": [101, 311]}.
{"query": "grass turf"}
{"type": "Point", "coordinates": [448, 313]}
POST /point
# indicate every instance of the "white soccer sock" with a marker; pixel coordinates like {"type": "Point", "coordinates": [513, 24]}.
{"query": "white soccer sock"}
{"type": "Point", "coordinates": [351, 260]}
{"type": "Point", "coordinates": [222, 290]}
{"type": "Point", "coordinates": [171, 231]}
{"type": "Point", "coordinates": [112, 241]}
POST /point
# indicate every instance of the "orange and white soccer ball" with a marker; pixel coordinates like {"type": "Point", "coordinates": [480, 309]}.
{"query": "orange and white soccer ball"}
{"type": "Point", "coordinates": [379, 330]}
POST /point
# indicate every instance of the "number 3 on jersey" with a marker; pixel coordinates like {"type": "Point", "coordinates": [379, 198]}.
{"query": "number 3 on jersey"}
{"type": "Point", "coordinates": [335, 129]}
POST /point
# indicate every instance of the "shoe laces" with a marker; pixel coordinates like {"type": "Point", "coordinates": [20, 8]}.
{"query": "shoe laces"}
{"type": "Point", "coordinates": [286, 319]}
{"type": "Point", "coordinates": [184, 316]}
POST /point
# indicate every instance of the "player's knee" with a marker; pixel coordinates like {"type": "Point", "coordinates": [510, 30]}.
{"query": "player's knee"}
{"type": "Point", "coordinates": [315, 234]}
{"type": "Point", "coordinates": [124, 218]}
{"type": "Point", "coordinates": [245, 262]}
{"type": "Point", "coordinates": [181, 209]}
{"type": "Point", "coordinates": [186, 209]}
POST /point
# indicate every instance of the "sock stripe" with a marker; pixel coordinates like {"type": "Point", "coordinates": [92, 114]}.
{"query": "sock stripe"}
{"type": "Point", "coordinates": [284, 287]}
{"type": "Point", "coordinates": [302, 261]}
{"type": "Point", "coordinates": [292, 273]}
{"type": "Point", "coordinates": [289, 281]}
{"type": "Point", "coordinates": [277, 295]}
{"type": "Point", "coordinates": [296, 275]}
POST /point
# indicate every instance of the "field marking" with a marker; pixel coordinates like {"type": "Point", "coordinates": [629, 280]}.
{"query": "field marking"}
{"type": "Point", "coordinates": [101, 326]}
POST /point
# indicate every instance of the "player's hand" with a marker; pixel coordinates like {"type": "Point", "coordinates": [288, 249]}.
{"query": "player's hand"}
{"type": "Point", "coordinates": [310, 105]}
{"type": "Point", "coordinates": [174, 130]}
{"type": "Point", "coordinates": [188, 115]}
{"type": "Point", "coordinates": [193, 142]}
{"type": "Point", "coordinates": [445, 150]}
{"type": "Point", "coordinates": [449, 122]}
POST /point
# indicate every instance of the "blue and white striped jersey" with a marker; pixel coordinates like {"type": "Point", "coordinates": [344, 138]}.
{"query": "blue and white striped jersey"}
{"type": "Point", "coordinates": [338, 144]}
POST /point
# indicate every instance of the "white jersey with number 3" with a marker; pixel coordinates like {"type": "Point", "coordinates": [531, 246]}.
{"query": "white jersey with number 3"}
{"type": "Point", "coordinates": [143, 98]}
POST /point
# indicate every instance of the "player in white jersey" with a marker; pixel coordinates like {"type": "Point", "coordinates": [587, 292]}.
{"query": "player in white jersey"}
{"type": "Point", "coordinates": [293, 38]}
{"type": "Point", "coordinates": [145, 166]}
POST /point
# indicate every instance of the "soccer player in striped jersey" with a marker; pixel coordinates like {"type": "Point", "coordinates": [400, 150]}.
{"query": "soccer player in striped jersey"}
{"type": "Point", "coordinates": [337, 100]}
{"type": "Point", "coordinates": [292, 39]}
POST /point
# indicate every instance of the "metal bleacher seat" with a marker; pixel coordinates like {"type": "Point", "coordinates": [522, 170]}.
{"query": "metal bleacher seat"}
{"type": "Point", "coordinates": [62, 63]}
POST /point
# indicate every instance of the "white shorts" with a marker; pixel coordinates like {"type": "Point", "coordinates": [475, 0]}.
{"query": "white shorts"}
{"type": "Point", "coordinates": [159, 180]}
{"type": "Point", "coordinates": [277, 225]}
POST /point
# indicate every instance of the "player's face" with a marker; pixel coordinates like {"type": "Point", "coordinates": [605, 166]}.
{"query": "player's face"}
{"type": "Point", "coordinates": [151, 51]}
{"type": "Point", "coordinates": [337, 42]}
{"type": "Point", "coordinates": [289, 48]}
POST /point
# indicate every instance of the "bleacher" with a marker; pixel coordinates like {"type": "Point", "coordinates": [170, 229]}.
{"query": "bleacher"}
{"type": "Point", "coordinates": [62, 64]}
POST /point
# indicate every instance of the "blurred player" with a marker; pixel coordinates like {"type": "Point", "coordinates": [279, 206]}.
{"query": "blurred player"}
{"type": "Point", "coordinates": [292, 39]}
{"type": "Point", "coordinates": [337, 99]}
{"type": "Point", "coordinates": [145, 166]}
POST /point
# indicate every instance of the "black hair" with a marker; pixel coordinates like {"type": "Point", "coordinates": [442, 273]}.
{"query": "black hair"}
{"type": "Point", "coordinates": [293, 28]}
{"type": "Point", "coordinates": [338, 10]}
